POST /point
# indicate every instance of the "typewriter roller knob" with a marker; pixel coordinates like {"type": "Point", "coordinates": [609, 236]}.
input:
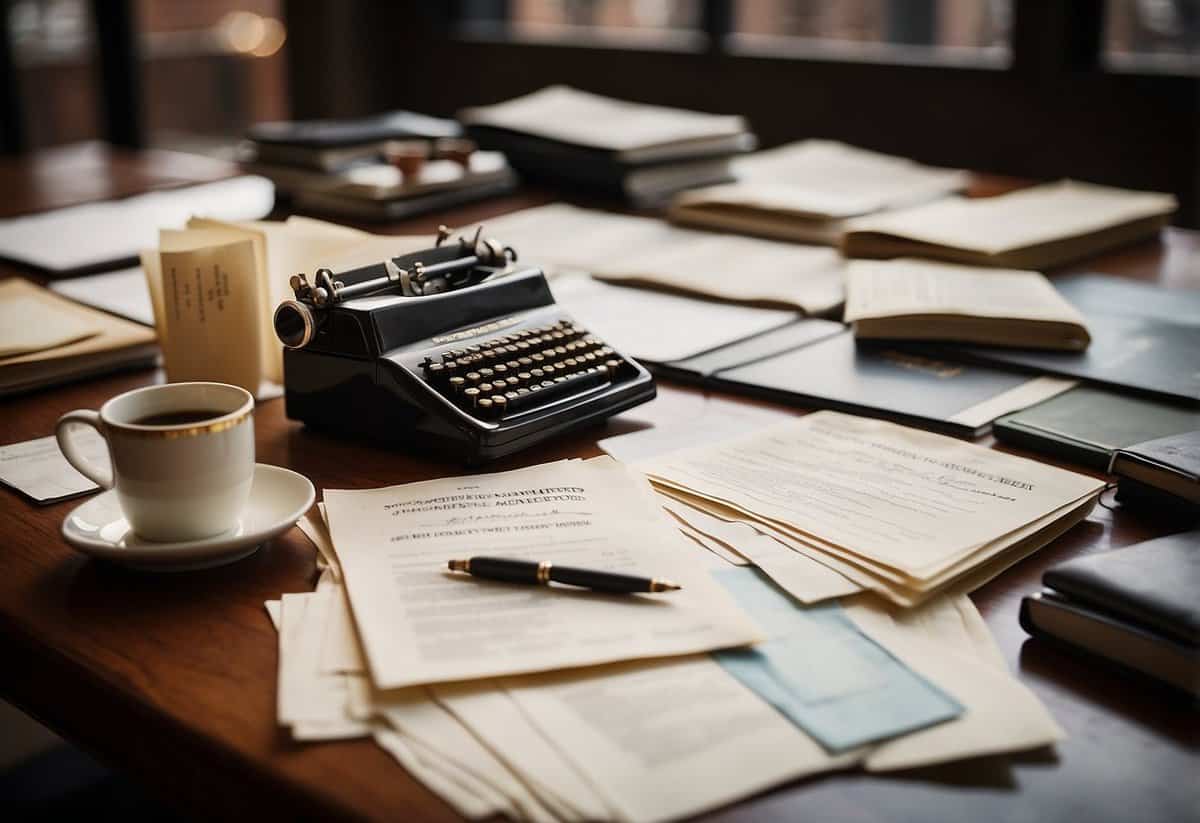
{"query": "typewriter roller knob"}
{"type": "Point", "coordinates": [294, 324]}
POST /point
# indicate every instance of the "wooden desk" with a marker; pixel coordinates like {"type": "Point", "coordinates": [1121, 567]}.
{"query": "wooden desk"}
{"type": "Point", "coordinates": [173, 677]}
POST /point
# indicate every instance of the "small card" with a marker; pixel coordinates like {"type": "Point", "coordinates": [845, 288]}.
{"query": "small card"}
{"type": "Point", "coordinates": [38, 470]}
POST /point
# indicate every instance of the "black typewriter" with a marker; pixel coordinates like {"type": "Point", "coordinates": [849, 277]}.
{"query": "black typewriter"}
{"type": "Point", "coordinates": [454, 349]}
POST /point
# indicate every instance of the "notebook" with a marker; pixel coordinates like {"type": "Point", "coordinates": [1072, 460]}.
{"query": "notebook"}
{"type": "Point", "coordinates": [912, 299]}
{"type": "Point", "coordinates": [806, 191]}
{"type": "Point", "coordinates": [1034, 228]}
{"type": "Point", "coordinates": [1086, 425]}
{"type": "Point", "coordinates": [1135, 607]}
{"type": "Point", "coordinates": [329, 145]}
{"type": "Point", "coordinates": [1163, 473]}
{"type": "Point", "coordinates": [85, 342]}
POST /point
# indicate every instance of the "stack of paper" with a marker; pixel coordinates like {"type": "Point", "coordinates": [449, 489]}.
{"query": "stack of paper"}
{"type": "Point", "coordinates": [900, 512]}
{"type": "Point", "coordinates": [1035, 228]}
{"type": "Point", "coordinates": [46, 339]}
{"type": "Point", "coordinates": [806, 191]}
{"type": "Point", "coordinates": [371, 650]}
{"type": "Point", "coordinates": [648, 252]}
{"type": "Point", "coordinates": [917, 299]}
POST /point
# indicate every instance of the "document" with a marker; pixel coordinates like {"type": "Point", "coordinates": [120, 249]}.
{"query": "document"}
{"type": "Point", "coordinates": [667, 739]}
{"type": "Point", "coordinates": [121, 292]}
{"type": "Point", "coordinates": [453, 786]}
{"type": "Point", "coordinates": [827, 677]}
{"type": "Point", "coordinates": [903, 502]}
{"type": "Point", "coordinates": [38, 470]}
{"type": "Point", "coordinates": [926, 300]}
{"type": "Point", "coordinates": [116, 230]}
{"type": "Point", "coordinates": [420, 624]}
{"type": "Point", "coordinates": [644, 251]}
{"type": "Point", "coordinates": [633, 320]}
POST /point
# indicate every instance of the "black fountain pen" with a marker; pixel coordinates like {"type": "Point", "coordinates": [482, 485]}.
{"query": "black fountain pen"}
{"type": "Point", "coordinates": [531, 571]}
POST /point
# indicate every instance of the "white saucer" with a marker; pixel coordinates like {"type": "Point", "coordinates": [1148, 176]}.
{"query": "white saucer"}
{"type": "Point", "coordinates": [277, 500]}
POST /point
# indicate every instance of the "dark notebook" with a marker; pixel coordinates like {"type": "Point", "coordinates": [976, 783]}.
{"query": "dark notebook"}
{"type": "Point", "coordinates": [1145, 339]}
{"type": "Point", "coordinates": [331, 144]}
{"type": "Point", "coordinates": [818, 364]}
{"type": "Point", "coordinates": [1163, 472]}
{"type": "Point", "coordinates": [1086, 425]}
{"type": "Point", "coordinates": [1137, 607]}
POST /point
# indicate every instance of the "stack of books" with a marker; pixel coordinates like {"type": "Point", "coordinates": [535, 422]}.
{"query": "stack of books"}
{"type": "Point", "coordinates": [344, 167]}
{"type": "Point", "coordinates": [638, 153]}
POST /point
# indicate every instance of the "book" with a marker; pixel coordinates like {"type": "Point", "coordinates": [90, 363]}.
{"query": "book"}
{"type": "Point", "coordinates": [1135, 607]}
{"type": "Point", "coordinates": [109, 234]}
{"type": "Point", "coordinates": [1086, 425]}
{"type": "Point", "coordinates": [1034, 228]}
{"type": "Point", "coordinates": [1164, 471]}
{"type": "Point", "coordinates": [909, 299]}
{"type": "Point", "coordinates": [816, 363]}
{"type": "Point", "coordinates": [1144, 339]}
{"type": "Point", "coordinates": [330, 145]}
{"type": "Point", "coordinates": [86, 342]}
{"type": "Point", "coordinates": [638, 152]}
{"type": "Point", "coordinates": [805, 191]}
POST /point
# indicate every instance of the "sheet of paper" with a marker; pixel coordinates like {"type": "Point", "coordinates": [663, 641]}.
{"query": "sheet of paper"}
{"type": "Point", "coordinates": [802, 576]}
{"type": "Point", "coordinates": [121, 292]}
{"type": "Point", "coordinates": [1027, 217]}
{"type": "Point", "coordinates": [495, 718]}
{"type": "Point", "coordinates": [633, 320]}
{"type": "Point", "coordinates": [710, 544]}
{"type": "Point", "coordinates": [574, 116]}
{"type": "Point", "coordinates": [464, 799]}
{"type": "Point", "coordinates": [900, 498]}
{"type": "Point", "coordinates": [827, 677]}
{"type": "Point", "coordinates": [29, 325]}
{"type": "Point", "coordinates": [37, 468]}
{"type": "Point", "coordinates": [824, 178]}
{"type": "Point", "coordinates": [118, 229]}
{"type": "Point", "coordinates": [647, 251]}
{"type": "Point", "coordinates": [313, 704]}
{"type": "Point", "coordinates": [644, 734]}
{"type": "Point", "coordinates": [212, 326]}
{"type": "Point", "coordinates": [730, 267]}
{"type": "Point", "coordinates": [316, 530]}
{"type": "Point", "coordinates": [1002, 714]}
{"type": "Point", "coordinates": [419, 623]}
{"type": "Point", "coordinates": [414, 713]}
{"type": "Point", "coordinates": [713, 425]}
{"type": "Point", "coordinates": [909, 286]}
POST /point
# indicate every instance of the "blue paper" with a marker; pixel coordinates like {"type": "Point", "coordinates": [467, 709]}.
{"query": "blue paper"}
{"type": "Point", "coordinates": [826, 676]}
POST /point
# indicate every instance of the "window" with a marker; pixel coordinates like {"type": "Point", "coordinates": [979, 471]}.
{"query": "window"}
{"type": "Point", "coordinates": [1153, 35]}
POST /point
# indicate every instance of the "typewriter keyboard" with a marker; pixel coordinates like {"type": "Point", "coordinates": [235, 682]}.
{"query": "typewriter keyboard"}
{"type": "Point", "coordinates": [522, 370]}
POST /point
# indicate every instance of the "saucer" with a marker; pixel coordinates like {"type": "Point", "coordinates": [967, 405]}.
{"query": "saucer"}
{"type": "Point", "coordinates": [278, 498]}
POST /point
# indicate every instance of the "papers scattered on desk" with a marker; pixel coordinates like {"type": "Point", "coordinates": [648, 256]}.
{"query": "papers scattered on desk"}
{"type": "Point", "coordinates": [38, 470]}
{"type": "Point", "coordinates": [912, 299]}
{"type": "Point", "coordinates": [99, 234]}
{"type": "Point", "coordinates": [1035, 228]}
{"type": "Point", "coordinates": [872, 686]}
{"type": "Point", "coordinates": [648, 252]}
{"type": "Point", "coordinates": [805, 191]}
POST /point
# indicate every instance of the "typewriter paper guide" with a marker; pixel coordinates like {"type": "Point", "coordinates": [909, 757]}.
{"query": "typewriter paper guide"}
{"type": "Point", "coordinates": [419, 624]}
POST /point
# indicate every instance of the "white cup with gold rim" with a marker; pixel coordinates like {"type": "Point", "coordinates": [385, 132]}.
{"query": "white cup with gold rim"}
{"type": "Point", "coordinates": [185, 479]}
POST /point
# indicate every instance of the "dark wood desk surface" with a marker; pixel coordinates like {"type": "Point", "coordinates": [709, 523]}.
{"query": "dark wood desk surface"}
{"type": "Point", "coordinates": [173, 677]}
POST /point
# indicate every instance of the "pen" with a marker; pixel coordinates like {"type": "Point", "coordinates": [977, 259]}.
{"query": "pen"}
{"type": "Point", "coordinates": [531, 571]}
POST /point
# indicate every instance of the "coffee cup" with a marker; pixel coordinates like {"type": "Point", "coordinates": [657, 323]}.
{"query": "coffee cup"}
{"type": "Point", "coordinates": [181, 455]}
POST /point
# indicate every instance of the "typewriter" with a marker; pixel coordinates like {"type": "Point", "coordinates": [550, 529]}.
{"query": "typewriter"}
{"type": "Point", "coordinates": [454, 349]}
